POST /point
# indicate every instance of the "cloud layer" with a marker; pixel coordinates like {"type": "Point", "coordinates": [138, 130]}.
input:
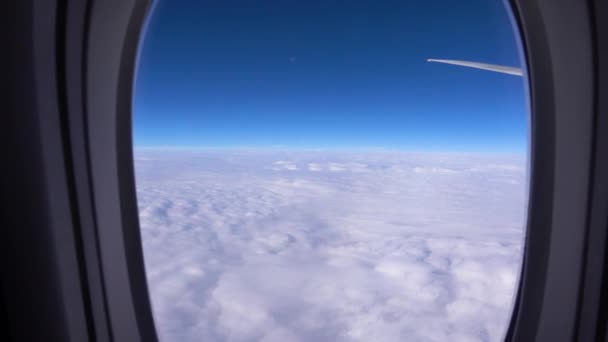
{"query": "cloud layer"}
{"type": "Point", "coordinates": [329, 246]}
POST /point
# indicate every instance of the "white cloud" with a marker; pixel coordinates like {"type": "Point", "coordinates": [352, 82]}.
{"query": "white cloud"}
{"type": "Point", "coordinates": [328, 246]}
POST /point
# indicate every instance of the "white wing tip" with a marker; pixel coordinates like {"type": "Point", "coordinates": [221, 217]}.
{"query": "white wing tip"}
{"type": "Point", "coordinates": [490, 67]}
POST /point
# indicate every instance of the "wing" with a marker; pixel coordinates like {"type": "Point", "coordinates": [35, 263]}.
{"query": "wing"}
{"type": "Point", "coordinates": [491, 67]}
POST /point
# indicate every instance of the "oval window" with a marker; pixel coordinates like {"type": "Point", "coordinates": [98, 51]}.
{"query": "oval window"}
{"type": "Point", "coordinates": [304, 173]}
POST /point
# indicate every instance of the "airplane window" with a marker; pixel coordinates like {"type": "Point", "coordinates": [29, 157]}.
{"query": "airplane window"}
{"type": "Point", "coordinates": [331, 170]}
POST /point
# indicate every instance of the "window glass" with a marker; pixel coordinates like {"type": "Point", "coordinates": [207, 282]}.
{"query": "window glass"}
{"type": "Point", "coordinates": [305, 174]}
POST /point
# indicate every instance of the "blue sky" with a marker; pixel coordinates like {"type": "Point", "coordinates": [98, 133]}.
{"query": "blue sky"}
{"type": "Point", "coordinates": [329, 74]}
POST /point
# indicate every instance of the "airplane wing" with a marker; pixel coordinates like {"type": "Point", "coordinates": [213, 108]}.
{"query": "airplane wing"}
{"type": "Point", "coordinates": [491, 67]}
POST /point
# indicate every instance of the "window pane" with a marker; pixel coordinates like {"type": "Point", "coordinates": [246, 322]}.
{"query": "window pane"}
{"type": "Point", "coordinates": [304, 174]}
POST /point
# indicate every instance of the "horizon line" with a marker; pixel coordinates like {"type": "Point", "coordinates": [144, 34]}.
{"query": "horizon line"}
{"type": "Point", "coordinates": [329, 149]}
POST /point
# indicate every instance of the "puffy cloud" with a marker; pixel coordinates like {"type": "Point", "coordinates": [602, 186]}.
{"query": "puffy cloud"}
{"type": "Point", "coordinates": [328, 246]}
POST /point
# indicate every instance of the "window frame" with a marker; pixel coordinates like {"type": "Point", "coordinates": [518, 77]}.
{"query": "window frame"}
{"type": "Point", "coordinates": [73, 221]}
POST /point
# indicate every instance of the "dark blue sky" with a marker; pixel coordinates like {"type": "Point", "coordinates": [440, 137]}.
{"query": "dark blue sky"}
{"type": "Point", "coordinates": [329, 74]}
